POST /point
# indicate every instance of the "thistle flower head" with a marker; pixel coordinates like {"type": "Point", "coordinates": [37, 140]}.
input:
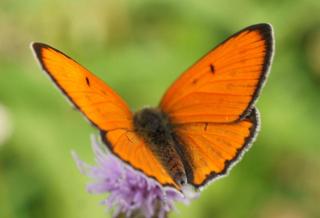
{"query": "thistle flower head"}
{"type": "Point", "coordinates": [130, 191]}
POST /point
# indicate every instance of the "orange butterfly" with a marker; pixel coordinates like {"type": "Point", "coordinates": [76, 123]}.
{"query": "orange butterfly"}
{"type": "Point", "coordinates": [204, 122]}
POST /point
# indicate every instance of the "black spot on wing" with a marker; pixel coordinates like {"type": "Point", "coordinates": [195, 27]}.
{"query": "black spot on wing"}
{"type": "Point", "coordinates": [211, 68]}
{"type": "Point", "coordinates": [88, 81]}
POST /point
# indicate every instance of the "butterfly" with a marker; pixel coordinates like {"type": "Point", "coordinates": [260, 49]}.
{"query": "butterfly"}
{"type": "Point", "coordinates": [204, 123]}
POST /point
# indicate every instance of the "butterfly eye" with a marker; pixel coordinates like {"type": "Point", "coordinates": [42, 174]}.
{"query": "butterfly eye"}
{"type": "Point", "coordinates": [180, 178]}
{"type": "Point", "coordinates": [182, 181]}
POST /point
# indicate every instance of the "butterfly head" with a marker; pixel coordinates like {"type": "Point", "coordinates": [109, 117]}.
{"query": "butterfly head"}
{"type": "Point", "coordinates": [152, 124]}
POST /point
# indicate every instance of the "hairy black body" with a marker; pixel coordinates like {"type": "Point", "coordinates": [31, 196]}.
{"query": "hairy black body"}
{"type": "Point", "coordinates": [155, 128]}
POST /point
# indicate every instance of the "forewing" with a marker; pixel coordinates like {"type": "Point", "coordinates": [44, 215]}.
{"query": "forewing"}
{"type": "Point", "coordinates": [96, 100]}
{"type": "Point", "coordinates": [223, 86]}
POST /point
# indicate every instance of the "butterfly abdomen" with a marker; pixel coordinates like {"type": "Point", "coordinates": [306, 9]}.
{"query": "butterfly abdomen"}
{"type": "Point", "coordinates": [154, 127]}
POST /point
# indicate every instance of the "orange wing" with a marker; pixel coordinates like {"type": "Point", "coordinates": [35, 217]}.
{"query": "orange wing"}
{"type": "Point", "coordinates": [104, 108]}
{"type": "Point", "coordinates": [97, 101]}
{"type": "Point", "coordinates": [223, 85]}
{"type": "Point", "coordinates": [213, 148]}
{"type": "Point", "coordinates": [133, 150]}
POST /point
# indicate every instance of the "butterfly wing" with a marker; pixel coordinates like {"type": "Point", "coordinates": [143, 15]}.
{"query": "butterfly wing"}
{"type": "Point", "coordinates": [97, 101]}
{"type": "Point", "coordinates": [133, 150]}
{"type": "Point", "coordinates": [212, 148]}
{"type": "Point", "coordinates": [104, 109]}
{"type": "Point", "coordinates": [211, 105]}
{"type": "Point", "coordinates": [223, 85]}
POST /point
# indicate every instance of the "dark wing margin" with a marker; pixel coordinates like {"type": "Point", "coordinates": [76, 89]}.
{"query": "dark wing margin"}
{"type": "Point", "coordinates": [255, 118]}
{"type": "Point", "coordinates": [208, 150]}
{"type": "Point", "coordinates": [266, 31]}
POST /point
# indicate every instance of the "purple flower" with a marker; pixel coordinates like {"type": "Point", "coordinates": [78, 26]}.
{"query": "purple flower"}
{"type": "Point", "coordinates": [131, 193]}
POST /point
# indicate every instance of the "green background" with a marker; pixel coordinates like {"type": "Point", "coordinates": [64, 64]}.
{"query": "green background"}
{"type": "Point", "coordinates": [139, 48]}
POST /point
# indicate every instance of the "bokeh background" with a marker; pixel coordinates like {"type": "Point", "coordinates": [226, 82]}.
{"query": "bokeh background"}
{"type": "Point", "coordinates": [139, 48]}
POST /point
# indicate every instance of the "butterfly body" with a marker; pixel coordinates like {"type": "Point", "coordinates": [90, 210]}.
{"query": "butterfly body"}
{"type": "Point", "coordinates": [154, 127]}
{"type": "Point", "coordinates": [205, 121]}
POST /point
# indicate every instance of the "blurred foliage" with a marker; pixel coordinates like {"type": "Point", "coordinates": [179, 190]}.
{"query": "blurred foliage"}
{"type": "Point", "coordinates": [139, 48]}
